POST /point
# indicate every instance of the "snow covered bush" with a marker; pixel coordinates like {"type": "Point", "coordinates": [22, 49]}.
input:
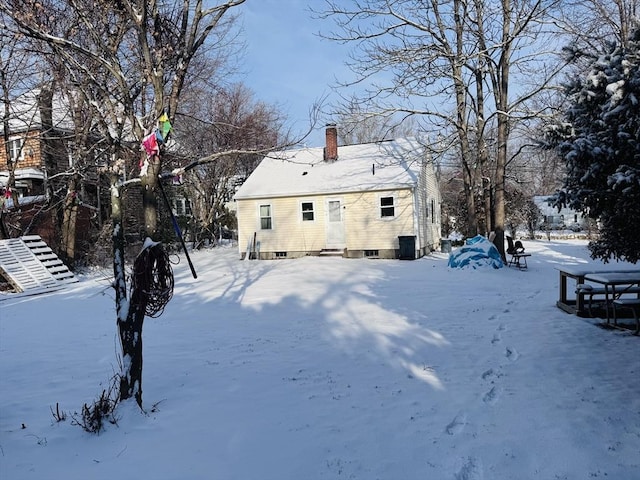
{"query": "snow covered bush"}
{"type": "Point", "coordinates": [602, 150]}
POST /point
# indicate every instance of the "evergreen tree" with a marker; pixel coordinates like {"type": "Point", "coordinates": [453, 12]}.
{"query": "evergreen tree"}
{"type": "Point", "coordinates": [602, 150]}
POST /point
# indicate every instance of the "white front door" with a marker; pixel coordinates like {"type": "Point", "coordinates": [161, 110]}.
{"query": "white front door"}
{"type": "Point", "coordinates": [335, 224]}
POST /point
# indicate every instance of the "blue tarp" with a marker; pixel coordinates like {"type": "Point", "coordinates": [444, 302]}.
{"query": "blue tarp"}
{"type": "Point", "coordinates": [478, 252]}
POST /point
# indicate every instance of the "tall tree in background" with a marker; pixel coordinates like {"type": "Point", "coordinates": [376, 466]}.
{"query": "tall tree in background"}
{"type": "Point", "coordinates": [593, 25]}
{"type": "Point", "coordinates": [18, 73]}
{"type": "Point", "coordinates": [358, 125]}
{"type": "Point", "coordinates": [130, 59]}
{"type": "Point", "coordinates": [452, 63]}
{"type": "Point", "coordinates": [228, 119]}
{"type": "Point", "coordinates": [602, 150]}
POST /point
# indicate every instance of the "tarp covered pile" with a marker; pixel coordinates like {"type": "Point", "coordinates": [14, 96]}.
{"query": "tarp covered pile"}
{"type": "Point", "coordinates": [478, 252]}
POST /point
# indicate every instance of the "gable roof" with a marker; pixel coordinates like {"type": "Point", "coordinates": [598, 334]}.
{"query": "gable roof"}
{"type": "Point", "coordinates": [383, 165]}
{"type": "Point", "coordinates": [24, 113]}
{"type": "Point", "coordinates": [547, 209]}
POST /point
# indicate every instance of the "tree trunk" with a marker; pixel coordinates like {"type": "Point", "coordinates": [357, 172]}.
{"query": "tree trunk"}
{"type": "Point", "coordinates": [472, 218]}
{"type": "Point", "coordinates": [149, 183]}
{"type": "Point", "coordinates": [69, 217]}
{"type": "Point", "coordinates": [129, 317]}
{"type": "Point", "coordinates": [130, 331]}
{"type": "Point", "coordinates": [130, 324]}
{"type": "Point", "coordinates": [501, 94]}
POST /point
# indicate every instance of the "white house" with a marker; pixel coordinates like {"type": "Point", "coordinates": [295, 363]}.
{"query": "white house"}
{"type": "Point", "coordinates": [369, 200]}
{"type": "Point", "coordinates": [552, 219]}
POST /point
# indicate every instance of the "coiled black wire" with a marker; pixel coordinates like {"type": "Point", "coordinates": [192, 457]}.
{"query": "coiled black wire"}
{"type": "Point", "coordinates": [152, 280]}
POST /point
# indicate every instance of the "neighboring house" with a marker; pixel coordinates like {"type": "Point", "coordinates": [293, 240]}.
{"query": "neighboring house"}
{"type": "Point", "coordinates": [24, 150]}
{"type": "Point", "coordinates": [369, 200]}
{"type": "Point", "coordinates": [36, 146]}
{"type": "Point", "coordinates": [552, 219]}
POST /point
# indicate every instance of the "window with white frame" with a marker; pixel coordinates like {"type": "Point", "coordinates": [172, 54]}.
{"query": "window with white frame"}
{"type": "Point", "coordinates": [265, 217]}
{"type": "Point", "coordinates": [433, 211]}
{"type": "Point", "coordinates": [387, 207]}
{"type": "Point", "coordinates": [307, 211]}
{"type": "Point", "coordinates": [15, 149]}
{"type": "Point", "coordinates": [181, 207]}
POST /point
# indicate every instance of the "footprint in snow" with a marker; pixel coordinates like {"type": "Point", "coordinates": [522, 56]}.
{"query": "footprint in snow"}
{"type": "Point", "coordinates": [512, 354]}
{"type": "Point", "coordinates": [534, 294]}
{"type": "Point", "coordinates": [496, 338]}
{"type": "Point", "coordinates": [488, 373]}
{"type": "Point", "coordinates": [457, 424]}
{"type": "Point", "coordinates": [502, 327]}
{"type": "Point", "coordinates": [471, 470]}
{"type": "Point", "coordinates": [491, 397]}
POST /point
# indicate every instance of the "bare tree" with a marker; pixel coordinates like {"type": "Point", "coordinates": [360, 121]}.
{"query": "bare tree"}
{"type": "Point", "coordinates": [227, 119]}
{"type": "Point", "coordinates": [130, 59]}
{"type": "Point", "coordinates": [357, 125]}
{"type": "Point", "coordinates": [452, 63]}
{"type": "Point", "coordinates": [593, 25]}
{"type": "Point", "coordinates": [18, 73]}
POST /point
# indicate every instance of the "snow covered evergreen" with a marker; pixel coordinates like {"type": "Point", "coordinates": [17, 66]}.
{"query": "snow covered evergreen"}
{"type": "Point", "coordinates": [602, 151]}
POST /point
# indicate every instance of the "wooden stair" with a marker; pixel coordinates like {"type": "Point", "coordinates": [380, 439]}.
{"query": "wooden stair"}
{"type": "Point", "coordinates": [29, 265]}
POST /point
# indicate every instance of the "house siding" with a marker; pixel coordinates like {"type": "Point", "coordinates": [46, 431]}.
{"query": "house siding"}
{"type": "Point", "coordinates": [289, 233]}
{"type": "Point", "coordinates": [31, 155]}
{"type": "Point", "coordinates": [362, 176]}
{"type": "Point", "coordinates": [432, 225]}
{"type": "Point", "coordinates": [365, 229]}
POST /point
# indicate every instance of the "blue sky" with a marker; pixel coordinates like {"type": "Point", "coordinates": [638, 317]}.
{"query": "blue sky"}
{"type": "Point", "coordinates": [287, 63]}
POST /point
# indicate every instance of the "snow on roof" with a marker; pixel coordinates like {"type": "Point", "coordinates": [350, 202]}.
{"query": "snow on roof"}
{"type": "Point", "coordinates": [365, 167]}
{"type": "Point", "coordinates": [8, 202]}
{"type": "Point", "coordinates": [546, 208]}
{"type": "Point", "coordinates": [24, 113]}
{"type": "Point", "coordinates": [22, 174]}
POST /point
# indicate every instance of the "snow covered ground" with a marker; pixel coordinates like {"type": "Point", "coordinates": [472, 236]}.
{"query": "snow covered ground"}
{"type": "Point", "coordinates": [328, 368]}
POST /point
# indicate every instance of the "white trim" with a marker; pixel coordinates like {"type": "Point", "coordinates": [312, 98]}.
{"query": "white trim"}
{"type": "Point", "coordinates": [394, 197]}
{"type": "Point", "coordinates": [339, 240]}
{"type": "Point", "coordinates": [313, 211]}
{"type": "Point", "coordinates": [265, 204]}
{"type": "Point", "coordinates": [19, 150]}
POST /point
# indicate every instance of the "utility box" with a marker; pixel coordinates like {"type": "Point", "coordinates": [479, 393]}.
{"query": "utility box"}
{"type": "Point", "coordinates": [407, 247]}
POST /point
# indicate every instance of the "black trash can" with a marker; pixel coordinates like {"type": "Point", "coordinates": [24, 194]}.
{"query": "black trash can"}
{"type": "Point", "coordinates": [445, 245]}
{"type": "Point", "coordinates": [407, 247]}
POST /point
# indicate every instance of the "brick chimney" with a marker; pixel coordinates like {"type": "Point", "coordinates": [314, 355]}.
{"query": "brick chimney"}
{"type": "Point", "coordinates": [331, 148]}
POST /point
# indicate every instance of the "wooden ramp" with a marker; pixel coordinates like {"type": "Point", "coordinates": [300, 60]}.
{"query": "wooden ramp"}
{"type": "Point", "coordinates": [31, 267]}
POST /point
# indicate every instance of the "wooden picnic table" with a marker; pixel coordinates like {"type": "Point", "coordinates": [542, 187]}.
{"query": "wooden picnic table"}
{"type": "Point", "coordinates": [575, 304]}
{"type": "Point", "coordinates": [616, 284]}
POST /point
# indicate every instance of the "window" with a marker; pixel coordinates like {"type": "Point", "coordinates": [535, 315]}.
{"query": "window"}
{"type": "Point", "coordinates": [307, 212]}
{"type": "Point", "coordinates": [181, 207]}
{"type": "Point", "coordinates": [265, 217]}
{"type": "Point", "coordinates": [387, 208]}
{"type": "Point", "coordinates": [433, 211]}
{"type": "Point", "coordinates": [15, 150]}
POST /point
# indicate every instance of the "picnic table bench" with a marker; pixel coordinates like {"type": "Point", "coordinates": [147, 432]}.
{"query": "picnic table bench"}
{"type": "Point", "coordinates": [632, 304]}
{"type": "Point", "coordinates": [586, 290]}
{"type": "Point", "coordinates": [617, 284]}
{"type": "Point", "coordinates": [576, 304]}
